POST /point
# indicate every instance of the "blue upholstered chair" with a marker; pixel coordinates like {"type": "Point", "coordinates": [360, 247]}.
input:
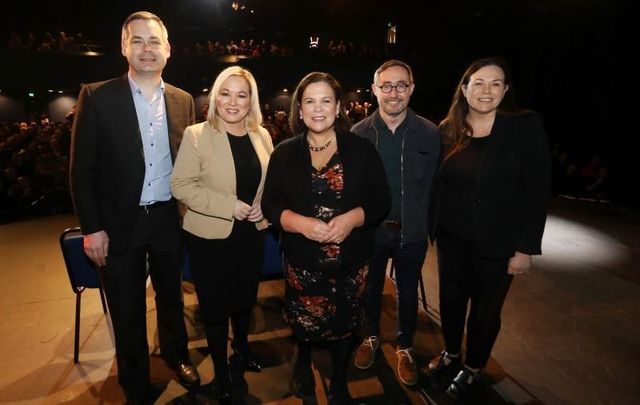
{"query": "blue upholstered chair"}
{"type": "Point", "coordinates": [82, 274]}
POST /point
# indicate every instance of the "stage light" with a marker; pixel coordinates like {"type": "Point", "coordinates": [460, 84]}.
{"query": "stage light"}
{"type": "Point", "coordinates": [31, 94]}
{"type": "Point", "coordinates": [570, 245]}
{"type": "Point", "coordinates": [50, 91]}
{"type": "Point", "coordinates": [205, 90]}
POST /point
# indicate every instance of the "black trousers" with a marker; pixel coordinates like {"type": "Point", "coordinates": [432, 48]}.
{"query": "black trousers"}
{"type": "Point", "coordinates": [226, 274]}
{"type": "Point", "coordinates": [156, 234]}
{"type": "Point", "coordinates": [466, 278]}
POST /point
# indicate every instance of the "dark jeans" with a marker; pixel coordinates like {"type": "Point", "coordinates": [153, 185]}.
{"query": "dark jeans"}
{"type": "Point", "coordinates": [467, 278]}
{"type": "Point", "coordinates": [408, 260]}
{"type": "Point", "coordinates": [157, 235]}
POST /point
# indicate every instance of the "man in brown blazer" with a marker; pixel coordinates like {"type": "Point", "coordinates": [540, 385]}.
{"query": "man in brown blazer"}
{"type": "Point", "coordinates": [125, 136]}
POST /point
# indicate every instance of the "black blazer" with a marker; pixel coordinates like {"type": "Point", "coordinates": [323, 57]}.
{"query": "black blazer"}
{"type": "Point", "coordinates": [107, 158]}
{"type": "Point", "coordinates": [512, 188]}
{"type": "Point", "coordinates": [288, 186]}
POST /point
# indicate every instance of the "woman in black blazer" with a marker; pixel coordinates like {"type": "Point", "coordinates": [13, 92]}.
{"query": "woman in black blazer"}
{"type": "Point", "coordinates": [491, 201]}
{"type": "Point", "coordinates": [326, 189]}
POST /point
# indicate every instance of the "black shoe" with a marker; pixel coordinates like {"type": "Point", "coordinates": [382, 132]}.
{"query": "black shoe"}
{"type": "Point", "coordinates": [150, 396]}
{"type": "Point", "coordinates": [464, 385]}
{"type": "Point", "coordinates": [302, 384]}
{"type": "Point", "coordinates": [339, 394]}
{"type": "Point", "coordinates": [187, 374]}
{"type": "Point", "coordinates": [248, 359]}
{"type": "Point", "coordinates": [443, 364]}
{"type": "Point", "coordinates": [222, 391]}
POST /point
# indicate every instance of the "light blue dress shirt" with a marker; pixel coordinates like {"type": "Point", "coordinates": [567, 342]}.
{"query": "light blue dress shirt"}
{"type": "Point", "coordinates": [152, 119]}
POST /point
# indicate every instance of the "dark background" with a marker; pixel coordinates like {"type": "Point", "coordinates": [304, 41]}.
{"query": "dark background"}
{"type": "Point", "coordinates": [570, 58]}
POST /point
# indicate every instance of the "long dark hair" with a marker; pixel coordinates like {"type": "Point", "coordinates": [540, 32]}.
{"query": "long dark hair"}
{"type": "Point", "coordinates": [296, 123]}
{"type": "Point", "coordinates": [454, 126]}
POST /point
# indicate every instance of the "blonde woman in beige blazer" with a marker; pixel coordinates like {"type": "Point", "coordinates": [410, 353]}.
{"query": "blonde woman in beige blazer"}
{"type": "Point", "coordinates": [219, 176]}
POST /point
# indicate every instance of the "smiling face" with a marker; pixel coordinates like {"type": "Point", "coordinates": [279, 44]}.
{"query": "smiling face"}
{"type": "Point", "coordinates": [233, 103]}
{"type": "Point", "coordinates": [146, 48]}
{"type": "Point", "coordinates": [485, 90]}
{"type": "Point", "coordinates": [318, 107]}
{"type": "Point", "coordinates": [393, 103]}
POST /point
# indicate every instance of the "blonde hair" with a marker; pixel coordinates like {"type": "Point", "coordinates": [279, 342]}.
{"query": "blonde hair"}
{"type": "Point", "coordinates": [254, 117]}
{"type": "Point", "coordinates": [142, 15]}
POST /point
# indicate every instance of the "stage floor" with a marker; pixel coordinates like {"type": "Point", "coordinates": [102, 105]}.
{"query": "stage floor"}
{"type": "Point", "coordinates": [570, 333]}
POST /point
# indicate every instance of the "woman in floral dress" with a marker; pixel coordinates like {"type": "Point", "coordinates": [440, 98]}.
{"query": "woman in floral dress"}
{"type": "Point", "coordinates": [326, 189]}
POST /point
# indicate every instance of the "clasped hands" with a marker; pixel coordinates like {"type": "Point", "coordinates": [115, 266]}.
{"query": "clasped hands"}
{"type": "Point", "coordinates": [334, 231]}
{"type": "Point", "coordinates": [252, 213]}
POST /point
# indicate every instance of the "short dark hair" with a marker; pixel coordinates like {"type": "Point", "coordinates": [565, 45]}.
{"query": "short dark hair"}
{"type": "Point", "coordinates": [296, 123]}
{"type": "Point", "coordinates": [391, 63]}
{"type": "Point", "coordinates": [142, 15]}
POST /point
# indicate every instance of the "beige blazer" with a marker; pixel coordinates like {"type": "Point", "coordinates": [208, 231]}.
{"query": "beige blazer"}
{"type": "Point", "coordinates": [204, 179]}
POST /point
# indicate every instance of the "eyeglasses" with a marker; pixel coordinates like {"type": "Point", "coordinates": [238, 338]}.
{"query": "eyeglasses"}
{"type": "Point", "coordinates": [400, 87]}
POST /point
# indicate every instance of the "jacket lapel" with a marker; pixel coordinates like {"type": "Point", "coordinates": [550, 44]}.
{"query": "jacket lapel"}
{"type": "Point", "coordinates": [171, 103]}
{"type": "Point", "coordinates": [127, 113]}
{"type": "Point", "coordinates": [263, 157]}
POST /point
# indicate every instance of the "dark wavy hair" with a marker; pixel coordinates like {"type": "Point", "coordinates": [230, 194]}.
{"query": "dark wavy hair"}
{"type": "Point", "coordinates": [454, 126]}
{"type": "Point", "coordinates": [342, 124]}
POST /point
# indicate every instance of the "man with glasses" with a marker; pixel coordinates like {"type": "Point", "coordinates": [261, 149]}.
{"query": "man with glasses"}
{"type": "Point", "coordinates": [409, 146]}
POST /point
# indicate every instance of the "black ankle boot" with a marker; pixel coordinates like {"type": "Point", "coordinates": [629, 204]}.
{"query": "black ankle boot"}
{"type": "Point", "coordinates": [444, 364]}
{"type": "Point", "coordinates": [339, 393]}
{"type": "Point", "coordinates": [302, 382]}
{"type": "Point", "coordinates": [222, 390]}
{"type": "Point", "coordinates": [248, 359]}
{"type": "Point", "coordinates": [464, 384]}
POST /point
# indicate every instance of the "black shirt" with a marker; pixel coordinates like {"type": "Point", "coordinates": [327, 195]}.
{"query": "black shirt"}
{"type": "Point", "coordinates": [247, 165]}
{"type": "Point", "coordinates": [390, 150]}
{"type": "Point", "coordinates": [458, 190]}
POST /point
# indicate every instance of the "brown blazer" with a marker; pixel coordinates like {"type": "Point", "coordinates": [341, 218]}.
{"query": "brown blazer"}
{"type": "Point", "coordinates": [204, 179]}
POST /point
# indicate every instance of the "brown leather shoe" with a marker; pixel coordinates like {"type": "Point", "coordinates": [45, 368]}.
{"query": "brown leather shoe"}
{"type": "Point", "coordinates": [407, 369]}
{"type": "Point", "coordinates": [366, 353]}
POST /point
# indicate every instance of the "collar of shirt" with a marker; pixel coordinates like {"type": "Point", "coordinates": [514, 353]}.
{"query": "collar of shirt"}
{"type": "Point", "coordinates": [381, 126]}
{"type": "Point", "coordinates": [135, 89]}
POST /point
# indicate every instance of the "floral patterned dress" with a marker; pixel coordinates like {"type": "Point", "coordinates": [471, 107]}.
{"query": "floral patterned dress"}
{"type": "Point", "coordinates": [323, 302]}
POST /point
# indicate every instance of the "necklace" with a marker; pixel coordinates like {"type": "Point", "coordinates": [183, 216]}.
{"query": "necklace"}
{"type": "Point", "coordinates": [319, 148]}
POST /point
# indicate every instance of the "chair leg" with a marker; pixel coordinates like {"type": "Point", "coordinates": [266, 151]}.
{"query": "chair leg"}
{"type": "Point", "coordinates": [76, 341]}
{"type": "Point", "coordinates": [101, 288]}
{"type": "Point", "coordinates": [102, 299]}
{"type": "Point", "coordinates": [105, 306]}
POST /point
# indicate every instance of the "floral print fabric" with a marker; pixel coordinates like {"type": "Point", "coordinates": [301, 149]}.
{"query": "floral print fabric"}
{"type": "Point", "coordinates": [323, 302]}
